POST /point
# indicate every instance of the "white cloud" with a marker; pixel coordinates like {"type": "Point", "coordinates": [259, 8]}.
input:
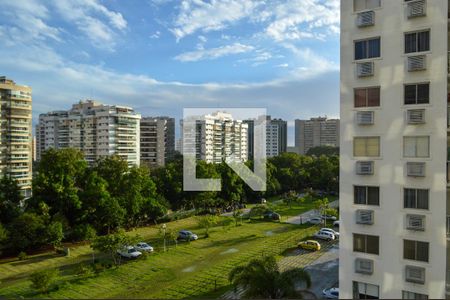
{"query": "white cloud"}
{"type": "Point", "coordinates": [198, 15]}
{"type": "Point", "coordinates": [155, 35]}
{"type": "Point", "coordinates": [213, 53]}
{"type": "Point", "coordinates": [98, 23]}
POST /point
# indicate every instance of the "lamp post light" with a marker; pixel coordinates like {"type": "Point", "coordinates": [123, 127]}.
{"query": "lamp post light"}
{"type": "Point", "coordinates": [164, 232]}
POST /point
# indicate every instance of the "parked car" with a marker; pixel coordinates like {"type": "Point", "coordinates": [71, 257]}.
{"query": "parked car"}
{"type": "Point", "coordinates": [187, 235]}
{"type": "Point", "coordinates": [315, 221]}
{"type": "Point", "coordinates": [129, 252]}
{"type": "Point", "coordinates": [329, 217]}
{"type": "Point", "coordinates": [272, 216]}
{"type": "Point", "coordinates": [309, 245]}
{"type": "Point", "coordinates": [336, 234]}
{"type": "Point", "coordinates": [323, 235]}
{"type": "Point", "coordinates": [336, 223]}
{"type": "Point", "coordinates": [332, 293]}
{"type": "Point", "coordinates": [143, 247]}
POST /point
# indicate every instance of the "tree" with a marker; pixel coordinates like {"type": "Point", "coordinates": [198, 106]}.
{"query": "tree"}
{"type": "Point", "coordinates": [3, 234]}
{"type": "Point", "coordinates": [28, 230]}
{"type": "Point", "coordinates": [55, 233]}
{"type": "Point", "coordinates": [261, 278]}
{"type": "Point", "coordinates": [207, 222]}
{"type": "Point", "coordinates": [113, 170]}
{"type": "Point", "coordinates": [322, 205]}
{"type": "Point", "coordinates": [290, 197]}
{"type": "Point", "coordinates": [110, 243]}
{"type": "Point", "coordinates": [10, 199]}
{"type": "Point", "coordinates": [323, 150]}
{"type": "Point", "coordinates": [42, 280]}
{"type": "Point", "coordinates": [257, 211]}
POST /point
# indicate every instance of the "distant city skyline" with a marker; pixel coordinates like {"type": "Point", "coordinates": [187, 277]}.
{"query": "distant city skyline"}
{"type": "Point", "coordinates": [161, 56]}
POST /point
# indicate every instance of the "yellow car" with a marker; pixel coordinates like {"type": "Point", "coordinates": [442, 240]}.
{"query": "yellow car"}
{"type": "Point", "coordinates": [309, 245]}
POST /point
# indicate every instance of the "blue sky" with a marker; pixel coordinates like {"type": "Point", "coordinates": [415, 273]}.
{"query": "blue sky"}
{"type": "Point", "coordinates": [160, 56]}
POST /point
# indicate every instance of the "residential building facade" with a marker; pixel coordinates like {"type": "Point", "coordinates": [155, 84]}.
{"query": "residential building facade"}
{"type": "Point", "coordinates": [16, 133]}
{"type": "Point", "coordinates": [216, 138]}
{"type": "Point", "coordinates": [96, 129]}
{"type": "Point", "coordinates": [276, 137]}
{"type": "Point", "coordinates": [394, 196]}
{"type": "Point", "coordinates": [316, 132]}
{"type": "Point", "coordinates": [157, 140]}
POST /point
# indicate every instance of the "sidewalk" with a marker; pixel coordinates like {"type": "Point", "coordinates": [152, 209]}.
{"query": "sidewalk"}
{"type": "Point", "coordinates": [304, 217]}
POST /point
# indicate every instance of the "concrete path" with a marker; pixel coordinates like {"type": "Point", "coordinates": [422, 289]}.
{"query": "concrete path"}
{"type": "Point", "coordinates": [304, 217]}
{"type": "Point", "coordinates": [230, 214]}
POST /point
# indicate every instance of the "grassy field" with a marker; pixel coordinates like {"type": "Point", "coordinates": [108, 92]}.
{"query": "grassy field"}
{"type": "Point", "coordinates": [199, 268]}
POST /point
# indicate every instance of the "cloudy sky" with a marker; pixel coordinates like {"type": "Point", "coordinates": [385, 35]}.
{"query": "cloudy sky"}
{"type": "Point", "coordinates": [160, 56]}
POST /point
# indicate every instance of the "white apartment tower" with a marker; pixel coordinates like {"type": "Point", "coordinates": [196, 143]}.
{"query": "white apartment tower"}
{"type": "Point", "coordinates": [15, 133]}
{"type": "Point", "coordinates": [157, 140]}
{"type": "Point", "coordinates": [315, 132]}
{"type": "Point", "coordinates": [394, 193]}
{"type": "Point", "coordinates": [217, 137]}
{"type": "Point", "coordinates": [97, 130]}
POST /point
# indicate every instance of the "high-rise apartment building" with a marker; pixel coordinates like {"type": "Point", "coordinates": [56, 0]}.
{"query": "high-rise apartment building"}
{"type": "Point", "coordinates": [15, 133]}
{"type": "Point", "coordinates": [217, 137]}
{"type": "Point", "coordinates": [276, 137]}
{"type": "Point", "coordinates": [157, 140]}
{"type": "Point", "coordinates": [316, 132]}
{"type": "Point", "coordinates": [394, 190]}
{"type": "Point", "coordinates": [96, 129]}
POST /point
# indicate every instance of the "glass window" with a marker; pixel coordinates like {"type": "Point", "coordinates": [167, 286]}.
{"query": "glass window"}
{"type": "Point", "coordinates": [413, 296]}
{"type": "Point", "coordinates": [367, 97]}
{"type": "Point", "coordinates": [417, 93]}
{"type": "Point", "coordinates": [416, 146]}
{"type": "Point", "coordinates": [366, 146]}
{"type": "Point", "coordinates": [366, 195]}
{"type": "Point", "coordinates": [415, 250]}
{"type": "Point", "coordinates": [366, 243]}
{"type": "Point", "coordinates": [359, 5]}
{"type": "Point", "coordinates": [367, 49]}
{"type": "Point", "coordinates": [363, 290]}
{"type": "Point", "coordinates": [417, 41]}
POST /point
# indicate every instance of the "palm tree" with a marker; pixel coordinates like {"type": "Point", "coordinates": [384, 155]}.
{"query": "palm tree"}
{"type": "Point", "coordinates": [261, 278]}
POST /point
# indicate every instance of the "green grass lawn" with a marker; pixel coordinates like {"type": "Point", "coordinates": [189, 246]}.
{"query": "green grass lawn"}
{"type": "Point", "coordinates": [196, 269]}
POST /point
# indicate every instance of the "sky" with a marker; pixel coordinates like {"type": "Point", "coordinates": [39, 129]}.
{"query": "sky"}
{"type": "Point", "coordinates": [160, 56]}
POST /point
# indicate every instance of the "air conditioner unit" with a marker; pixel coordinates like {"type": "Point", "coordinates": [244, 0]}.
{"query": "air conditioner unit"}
{"type": "Point", "coordinates": [364, 216]}
{"type": "Point", "coordinates": [416, 8]}
{"type": "Point", "coordinates": [415, 169]}
{"type": "Point", "coordinates": [364, 167]}
{"type": "Point", "coordinates": [366, 18]}
{"type": "Point", "coordinates": [364, 117]}
{"type": "Point", "coordinates": [415, 116]}
{"type": "Point", "coordinates": [364, 266]}
{"type": "Point", "coordinates": [365, 69]}
{"type": "Point", "coordinates": [415, 274]}
{"type": "Point", "coordinates": [415, 222]}
{"type": "Point", "coordinates": [417, 63]}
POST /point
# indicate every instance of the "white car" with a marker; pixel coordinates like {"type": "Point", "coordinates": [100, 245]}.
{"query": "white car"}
{"type": "Point", "coordinates": [323, 235]}
{"type": "Point", "coordinates": [129, 252]}
{"type": "Point", "coordinates": [336, 234]}
{"type": "Point", "coordinates": [315, 221]}
{"type": "Point", "coordinates": [187, 235]}
{"type": "Point", "coordinates": [332, 293]}
{"type": "Point", "coordinates": [143, 247]}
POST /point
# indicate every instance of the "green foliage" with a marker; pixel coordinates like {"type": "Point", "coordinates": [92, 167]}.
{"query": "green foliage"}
{"type": "Point", "coordinates": [261, 278]}
{"type": "Point", "coordinates": [84, 232]}
{"type": "Point", "coordinates": [41, 281]}
{"type": "Point", "coordinates": [110, 243]}
{"type": "Point", "coordinates": [3, 234]}
{"type": "Point", "coordinates": [55, 233]}
{"type": "Point", "coordinates": [10, 200]}
{"type": "Point", "coordinates": [22, 255]}
{"type": "Point", "coordinates": [85, 270]}
{"type": "Point", "coordinates": [323, 150]}
{"type": "Point", "coordinates": [257, 211]}
{"type": "Point", "coordinates": [27, 231]}
{"type": "Point", "coordinates": [206, 222]}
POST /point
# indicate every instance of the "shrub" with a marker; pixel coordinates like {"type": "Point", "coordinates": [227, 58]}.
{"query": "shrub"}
{"type": "Point", "coordinates": [22, 256]}
{"type": "Point", "coordinates": [84, 270]}
{"type": "Point", "coordinates": [42, 280]}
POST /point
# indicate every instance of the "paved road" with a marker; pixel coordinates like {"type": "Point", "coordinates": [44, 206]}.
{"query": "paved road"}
{"type": "Point", "coordinates": [304, 217]}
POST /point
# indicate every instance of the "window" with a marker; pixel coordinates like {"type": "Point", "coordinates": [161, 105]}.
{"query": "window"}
{"type": "Point", "coordinates": [366, 195]}
{"type": "Point", "coordinates": [417, 41]}
{"type": "Point", "coordinates": [367, 97]}
{"type": "Point", "coordinates": [417, 93]}
{"type": "Point", "coordinates": [415, 250]}
{"type": "Point", "coordinates": [367, 48]}
{"type": "Point", "coordinates": [416, 146]}
{"type": "Point", "coordinates": [366, 243]}
{"type": "Point", "coordinates": [366, 146]}
{"type": "Point", "coordinates": [414, 296]}
{"type": "Point", "coordinates": [363, 290]}
{"type": "Point", "coordinates": [415, 198]}
{"type": "Point", "coordinates": [359, 5]}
